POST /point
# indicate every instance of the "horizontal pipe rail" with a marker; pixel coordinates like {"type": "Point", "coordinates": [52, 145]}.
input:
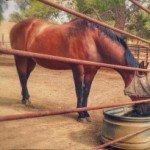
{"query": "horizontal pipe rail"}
{"type": "Point", "coordinates": [139, 5]}
{"type": "Point", "coordinates": [67, 60]}
{"type": "Point", "coordinates": [138, 45]}
{"type": "Point", "coordinates": [66, 111]}
{"type": "Point", "coordinates": [121, 139]}
{"type": "Point", "coordinates": [47, 2]}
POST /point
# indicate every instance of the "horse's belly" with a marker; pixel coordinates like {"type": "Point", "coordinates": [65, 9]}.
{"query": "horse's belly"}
{"type": "Point", "coordinates": [50, 64]}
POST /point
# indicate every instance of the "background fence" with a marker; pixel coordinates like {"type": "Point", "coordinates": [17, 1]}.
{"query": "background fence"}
{"type": "Point", "coordinates": [4, 41]}
{"type": "Point", "coordinates": [5, 28]}
{"type": "Point", "coordinates": [140, 52]}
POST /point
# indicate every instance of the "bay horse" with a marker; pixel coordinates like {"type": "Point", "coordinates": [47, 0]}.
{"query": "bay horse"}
{"type": "Point", "coordinates": [78, 39]}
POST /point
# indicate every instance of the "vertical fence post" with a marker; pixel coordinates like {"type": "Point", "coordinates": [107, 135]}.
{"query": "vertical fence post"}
{"type": "Point", "coordinates": [138, 51]}
{"type": "Point", "coordinates": [147, 54]}
{"type": "Point", "coordinates": [3, 39]}
{"type": "Point", "coordinates": [0, 41]}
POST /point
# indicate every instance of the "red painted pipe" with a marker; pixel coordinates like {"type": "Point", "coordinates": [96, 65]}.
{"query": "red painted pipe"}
{"type": "Point", "coordinates": [67, 60]}
{"type": "Point", "coordinates": [47, 2]}
{"type": "Point", "coordinates": [121, 138]}
{"type": "Point", "coordinates": [66, 111]}
{"type": "Point", "coordinates": [139, 5]}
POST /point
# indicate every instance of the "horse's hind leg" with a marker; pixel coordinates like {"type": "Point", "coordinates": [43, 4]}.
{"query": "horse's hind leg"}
{"type": "Point", "coordinates": [24, 67]}
{"type": "Point", "coordinates": [30, 66]}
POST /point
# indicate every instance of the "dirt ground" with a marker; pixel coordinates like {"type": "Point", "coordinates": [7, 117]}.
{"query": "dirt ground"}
{"type": "Point", "coordinates": [53, 90]}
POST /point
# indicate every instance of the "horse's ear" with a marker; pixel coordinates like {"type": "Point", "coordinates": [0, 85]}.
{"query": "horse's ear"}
{"type": "Point", "coordinates": [141, 64]}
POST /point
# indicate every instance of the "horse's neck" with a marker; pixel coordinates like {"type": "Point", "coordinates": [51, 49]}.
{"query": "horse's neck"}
{"type": "Point", "coordinates": [127, 76]}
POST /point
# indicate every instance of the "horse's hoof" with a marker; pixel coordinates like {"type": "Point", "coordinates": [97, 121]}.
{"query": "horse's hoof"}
{"type": "Point", "coordinates": [88, 119]}
{"type": "Point", "coordinates": [23, 102]}
{"type": "Point", "coordinates": [26, 102]}
{"type": "Point", "coordinates": [83, 120]}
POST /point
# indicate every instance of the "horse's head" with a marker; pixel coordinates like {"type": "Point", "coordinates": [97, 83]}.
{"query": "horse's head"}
{"type": "Point", "coordinates": [139, 89]}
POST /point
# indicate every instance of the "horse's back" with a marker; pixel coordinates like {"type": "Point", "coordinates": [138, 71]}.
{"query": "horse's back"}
{"type": "Point", "coordinates": [66, 40]}
{"type": "Point", "coordinates": [19, 33]}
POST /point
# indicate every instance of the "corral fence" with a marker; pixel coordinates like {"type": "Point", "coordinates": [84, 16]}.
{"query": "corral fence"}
{"type": "Point", "coordinates": [4, 41]}
{"type": "Point", "coordinates": [5, 45]}
{"type": "Point", "coordinates": [140, 52]}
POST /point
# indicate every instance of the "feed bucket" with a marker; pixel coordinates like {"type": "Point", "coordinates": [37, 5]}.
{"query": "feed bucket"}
{"type": "Point", "coordinates": [116, 124]}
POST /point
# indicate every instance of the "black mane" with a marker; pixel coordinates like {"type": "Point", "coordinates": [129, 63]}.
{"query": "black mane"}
{"type": "Point", "coordinates": [130, 60]}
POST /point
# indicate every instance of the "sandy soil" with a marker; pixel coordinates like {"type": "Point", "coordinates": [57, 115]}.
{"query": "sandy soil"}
{"type": "Point", "coordinates": [53, 90]}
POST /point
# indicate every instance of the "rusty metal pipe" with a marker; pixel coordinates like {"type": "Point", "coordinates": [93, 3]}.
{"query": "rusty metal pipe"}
{"type": "Point", "coordinates": [66, 111]}
{"type": "Point", "coordinates": [120, 139]}
{"type": "Point", "coordinates": [67, 60]}
{"type": "Point", "coordinates": [139, 5]}
{"type": "Point", "coordinates": [136, 45]}
{"type": "Point", "coordinates": [47, 2]}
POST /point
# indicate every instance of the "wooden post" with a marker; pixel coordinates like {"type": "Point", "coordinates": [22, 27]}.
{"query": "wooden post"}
{"type": "Point", "coordinates": [2, 39]}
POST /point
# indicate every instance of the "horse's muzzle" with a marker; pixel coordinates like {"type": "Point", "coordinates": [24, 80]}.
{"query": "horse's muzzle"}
{"type": "Point", "coordinates": [142, 110]}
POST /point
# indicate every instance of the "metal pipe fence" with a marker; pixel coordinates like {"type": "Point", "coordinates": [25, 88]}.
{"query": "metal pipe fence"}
{"type": "Point", "coordinates": [66, 111]}
{"type": "Point", "coordinates": [47, 2]}
{"type": "Point", "coordinates": [140, 6]}
{"type": "Point", "coordinates": [67, 60]}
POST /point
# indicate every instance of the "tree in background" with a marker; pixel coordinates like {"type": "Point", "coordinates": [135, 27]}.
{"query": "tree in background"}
{"type": "Point", "coordinates": [1, 11]}
{"type": "Point", "coordinates": [3, 5]}
{"type": "Point", "coordinates": [35, 9]}
{"type": "Point", "coordinates": [63, 16]}
{"type": "Point", "coordinates": [140, 24]}
{"type": "Point", "coordinates": [108, 10]}
{"type": "Point", "coordinates": [117, 12]}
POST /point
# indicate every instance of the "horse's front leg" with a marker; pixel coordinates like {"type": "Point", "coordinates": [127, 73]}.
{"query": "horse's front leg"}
{"type": "Point", "coordinates": [78, 75]}
{"type": "Point", "coordinates": [88, 78]}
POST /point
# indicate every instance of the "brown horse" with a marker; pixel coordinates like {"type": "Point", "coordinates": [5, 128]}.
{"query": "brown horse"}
{"type": "Point", "coordinates": [79, 39]}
